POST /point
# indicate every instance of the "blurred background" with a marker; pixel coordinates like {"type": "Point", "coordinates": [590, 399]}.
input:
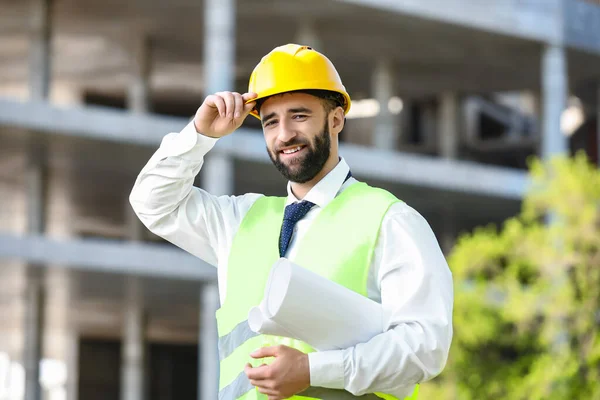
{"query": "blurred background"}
{"type": "Point", "coordinates": [451, 100]}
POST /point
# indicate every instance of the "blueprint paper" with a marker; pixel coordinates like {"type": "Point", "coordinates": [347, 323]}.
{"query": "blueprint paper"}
{"type": "Point", "coordinates": [303, 305]}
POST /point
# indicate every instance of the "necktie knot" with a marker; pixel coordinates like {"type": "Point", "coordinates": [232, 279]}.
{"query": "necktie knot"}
{"type": "Point", "coordinates": [292, 214]}
{"type": "Point", "coordinates": [296, 211]}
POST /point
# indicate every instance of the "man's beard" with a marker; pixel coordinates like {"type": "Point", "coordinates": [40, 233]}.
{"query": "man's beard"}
{"type": "Point", "coordinates": [311, 163]}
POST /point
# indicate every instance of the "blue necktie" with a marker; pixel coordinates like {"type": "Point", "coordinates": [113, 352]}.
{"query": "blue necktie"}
{"type": "Point", "coordinates": [293, 213]}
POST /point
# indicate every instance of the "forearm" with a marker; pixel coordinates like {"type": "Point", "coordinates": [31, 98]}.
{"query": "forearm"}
{"type": "Point", "coordinates": [392, 362]}
{"type": "Point", "coordinates": [166, 181]}
{"type": "Point", "coordinates": [168, 204]}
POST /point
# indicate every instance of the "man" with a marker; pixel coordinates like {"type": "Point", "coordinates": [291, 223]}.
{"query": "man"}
{"type": "Point", "coordinates": [356, 235]}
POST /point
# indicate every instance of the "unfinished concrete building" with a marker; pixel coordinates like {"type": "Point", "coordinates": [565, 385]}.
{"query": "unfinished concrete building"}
{"type": "Point", "coordinates": [450, 98]}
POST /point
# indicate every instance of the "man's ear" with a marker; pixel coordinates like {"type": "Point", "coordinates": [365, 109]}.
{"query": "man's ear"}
{"type": "Point", "coordinates": [339, 120]}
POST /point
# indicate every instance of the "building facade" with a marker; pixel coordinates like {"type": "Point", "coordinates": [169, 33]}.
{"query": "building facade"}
{"type": "Point", "coordinates": [450, 97]}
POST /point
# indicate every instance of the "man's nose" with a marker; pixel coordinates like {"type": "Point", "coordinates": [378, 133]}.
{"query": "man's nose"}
{"type": "Point", "coordinates": [286, 133]}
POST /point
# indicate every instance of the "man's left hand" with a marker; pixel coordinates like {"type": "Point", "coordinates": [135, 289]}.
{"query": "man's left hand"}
{"type": "Point", "coordinates": [286, 376]}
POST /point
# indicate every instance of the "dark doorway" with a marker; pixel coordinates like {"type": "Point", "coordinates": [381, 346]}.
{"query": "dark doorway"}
{"type": "Point", "coordinates": [99, 369]}
{"type": "Point", "coordinates": [173, 372]}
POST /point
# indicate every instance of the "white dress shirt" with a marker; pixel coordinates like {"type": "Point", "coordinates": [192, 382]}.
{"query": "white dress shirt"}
{"type": "Point", "coordinates": [409, 275]}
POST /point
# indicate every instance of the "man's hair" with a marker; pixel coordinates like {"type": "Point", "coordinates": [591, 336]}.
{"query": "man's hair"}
{"type": "Point", "coordinates": [330, 100]}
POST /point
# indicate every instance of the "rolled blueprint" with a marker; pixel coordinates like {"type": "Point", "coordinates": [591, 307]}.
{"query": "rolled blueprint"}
{"type": "Point", "coordinates": [260, 323]}
{"type": "Point", "coordinates": [303, 305]}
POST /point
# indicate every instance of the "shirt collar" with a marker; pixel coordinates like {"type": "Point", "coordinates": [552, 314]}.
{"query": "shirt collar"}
{"type": "Point", "coordinates": [326, 189]}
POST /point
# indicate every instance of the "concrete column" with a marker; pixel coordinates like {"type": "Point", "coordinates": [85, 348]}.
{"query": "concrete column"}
{"type": "Point", "coordinates": [39, 89]}
{"type": "Point", "coordinates": [217, 174]}
{"type": "Point", "coordinates": [39, 53]}
{"type": "Point", "coordinates": [219, 45]}
{"type": "Point", "coordinates": [34, 292]}
{"type": "Point", "coordinates": [134, 227]}
{"type": "Point", "coordinates": [208, 339]}
{"type": "Point", "coordinates": [133, 363]}
{"type": "Point", "coordinates": [36, 182]}
{"type": "Point", "coordinates": [219, 74]}
{"type": "Point", "coordinates": [73, 364]}
{"type": "Point", "coordinates": [448, 125]}
{"type": "Point", "coordinates": [34, 333]}
{"type": "Point", "coordinates": [387, 126]}
{"type": "Point", "coordinates": [138, 102]}
{"type": "Point", "coordinates": [307, 35]}
{"type": "Point", "coordinates": [58, 334]}
{"type": "Point", "coordinates": [138, 91]}
{"type": "Point", "coordinates": [554, 100]}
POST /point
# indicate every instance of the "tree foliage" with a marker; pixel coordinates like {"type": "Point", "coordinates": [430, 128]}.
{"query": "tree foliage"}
{"type": "Point", "coordinates": [527, 296]}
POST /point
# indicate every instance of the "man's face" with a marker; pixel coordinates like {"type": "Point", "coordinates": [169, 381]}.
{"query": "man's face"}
{"type": "Point", "coordinates": [296, 130]}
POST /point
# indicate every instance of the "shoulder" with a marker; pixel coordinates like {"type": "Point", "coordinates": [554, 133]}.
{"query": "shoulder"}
{"type": "Point", "coordinates": [405, 221]}
{"type": "Point", "coordinates": [398, 212]}
{"type": "Point", "coordinates": [401, 209]}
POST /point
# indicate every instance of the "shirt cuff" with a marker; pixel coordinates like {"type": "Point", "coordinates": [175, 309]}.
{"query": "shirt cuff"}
{"type": "Point", "coordinates": [188, 144]}
{"type": "Point", "coordinates": [327, 369]}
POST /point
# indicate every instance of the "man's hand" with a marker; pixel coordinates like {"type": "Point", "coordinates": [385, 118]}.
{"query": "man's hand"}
{"type": "Point", "coordinates": [222, 113]}
{"type": "Point", "coordinates": [286, 376]}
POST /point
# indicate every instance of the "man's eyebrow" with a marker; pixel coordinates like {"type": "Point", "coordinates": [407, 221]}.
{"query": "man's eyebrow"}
{"type": "Point", "coordinates": [268, 117]}
{"type": "Point", "coordinates": [299, 110]}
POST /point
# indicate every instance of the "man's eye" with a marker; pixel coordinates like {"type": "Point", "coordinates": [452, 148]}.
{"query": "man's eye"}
{"type": "Point", "coordinates": [300, 116]}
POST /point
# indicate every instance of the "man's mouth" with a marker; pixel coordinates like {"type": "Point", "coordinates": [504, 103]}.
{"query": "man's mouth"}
{"type": "Point", "coordinates": [292, 150]}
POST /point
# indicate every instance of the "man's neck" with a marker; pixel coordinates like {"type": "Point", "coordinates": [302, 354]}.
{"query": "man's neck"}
{"type": "Point", "coordinates": [300, 190]}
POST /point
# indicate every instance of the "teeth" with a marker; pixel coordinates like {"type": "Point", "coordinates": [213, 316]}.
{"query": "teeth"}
{"type": "Point", "coordinates": [290, 151]}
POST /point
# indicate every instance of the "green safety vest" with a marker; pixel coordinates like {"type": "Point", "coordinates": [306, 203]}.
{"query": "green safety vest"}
{"type": "Point", "coordinates": [339, 246]}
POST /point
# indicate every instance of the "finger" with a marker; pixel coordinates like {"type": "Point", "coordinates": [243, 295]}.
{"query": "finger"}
{"type": "Point", "coordinates": [265, 352]}
{"type": "Point", "coordinates": [268, 392]}
{"type": "Point", "coordinates": [220, 104]}
{"type": "Point", "coordinates": [248, 103]}
{"type": "Point", "coordinates": [249, 96]}
{"type": "Point", "coordinates": [248, 107]}
{"type": "Point", "coordinates": [258, 373]}
{"type": "Point", "coordinates": [229, 103]}
{"type": "Point", "coordinates": [264, 388]}
{"type": "Point", "coordinates": [214, 101]}
{"type": "Point", "coordinates": [239, 105]}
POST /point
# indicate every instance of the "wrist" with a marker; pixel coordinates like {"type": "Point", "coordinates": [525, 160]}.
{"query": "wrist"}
{"type": "Point", "coordinates": [306, 369]}
{"type": "Point", "coordinates": [199, 131]}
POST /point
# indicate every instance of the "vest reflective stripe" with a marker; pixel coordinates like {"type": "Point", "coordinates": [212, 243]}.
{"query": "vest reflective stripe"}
{"type": "Point", "coordinates": [241, 385]}
{"type": "Point", "coordinates": [236, 389]}
{"type": "Point", "coordinates": [234, 364]}
{"type": "Point", "coordinates": [339, 245]}
{"type": "Point", "coordinates": [235, 338]}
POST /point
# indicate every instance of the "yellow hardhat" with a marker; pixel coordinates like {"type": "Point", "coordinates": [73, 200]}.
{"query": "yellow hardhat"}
{"type": "Point", "coordinates": [295, 67]}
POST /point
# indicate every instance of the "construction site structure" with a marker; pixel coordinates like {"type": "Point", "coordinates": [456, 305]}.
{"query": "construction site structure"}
{"type": "Point", "coordinates": [450, 98]}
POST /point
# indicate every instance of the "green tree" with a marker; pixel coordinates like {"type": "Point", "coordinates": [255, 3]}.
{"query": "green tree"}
{"type": "Point", "coordinates": [527, 296]}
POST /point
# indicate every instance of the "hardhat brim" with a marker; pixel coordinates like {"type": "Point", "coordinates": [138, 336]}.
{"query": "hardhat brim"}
{"type": "Point", "coordinates": [316, 86]}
